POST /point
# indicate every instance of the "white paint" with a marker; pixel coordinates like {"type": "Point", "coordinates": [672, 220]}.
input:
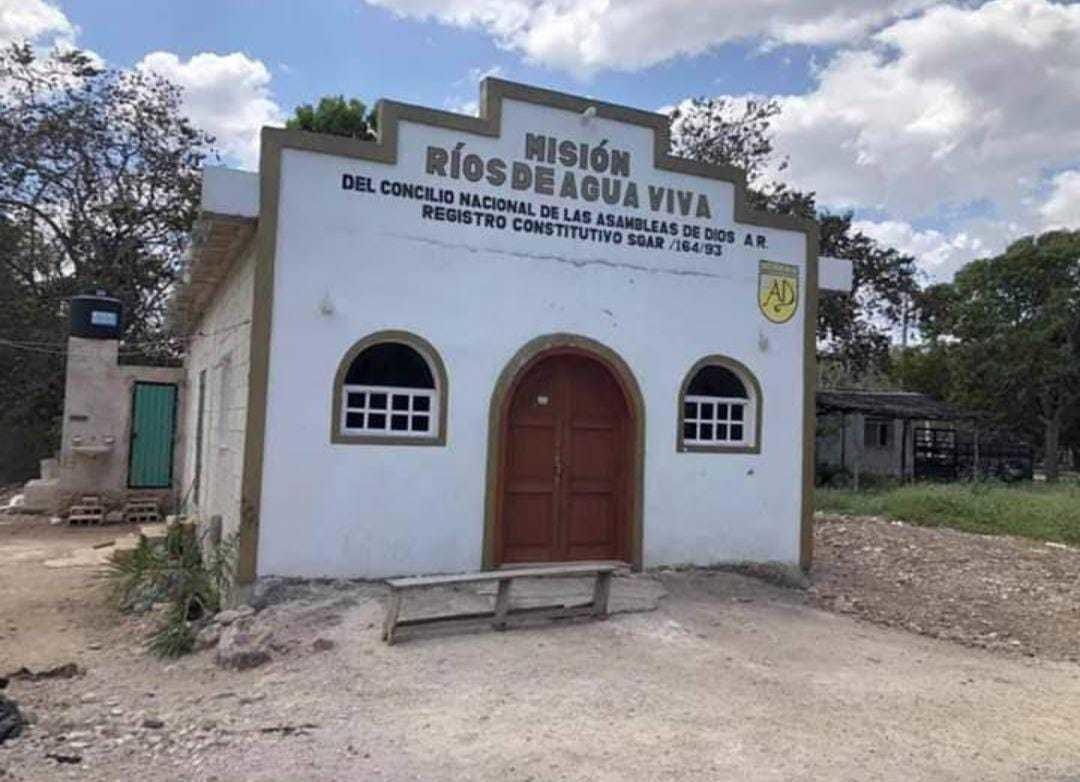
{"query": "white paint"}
{"type": "Point", "coordinates": [835, 274]}
{"type": "Point", "coordinates": [220, 345]}
{"type": "Point", "coordinates": [227, 191]}
{"type": "Point", "coordinates": [478, 296]}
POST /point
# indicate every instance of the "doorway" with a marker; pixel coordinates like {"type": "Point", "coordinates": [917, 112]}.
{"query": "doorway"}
{"type": "Point", "coordinates": [153, 425]}
{"type": "Point", "coordinates": [566, 463]}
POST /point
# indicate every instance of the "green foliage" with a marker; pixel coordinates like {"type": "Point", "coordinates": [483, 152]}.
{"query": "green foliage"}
{"type": "Point", "coordinates": [927, 369]}
{"type": "Point", "coordinates": [99, 186]}
{"type": "Point", "coordinates": [1040, 511]}
{"type": "Point", "coordinates": [336, 116]}
{"type": "Point", "coordinates": [1008, 329]}
{"type": "Point", "coordinates": [854, 330]}
{"type": "Point", "coordinates": [178, 572]}
{"type": "Point", "coordinates": [175, 638]}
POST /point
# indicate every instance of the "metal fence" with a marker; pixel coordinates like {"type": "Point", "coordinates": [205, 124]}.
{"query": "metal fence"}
{"type": "Point", "coordinates": [948, 454]}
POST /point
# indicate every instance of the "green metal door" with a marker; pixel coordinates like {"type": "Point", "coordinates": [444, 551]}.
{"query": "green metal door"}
{"type": "Point", "coordinates": [153, 419]}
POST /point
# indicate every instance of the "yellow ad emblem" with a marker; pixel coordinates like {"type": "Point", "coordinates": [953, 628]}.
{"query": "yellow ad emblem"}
{"type": "Point", "coordinates": [778, 290]}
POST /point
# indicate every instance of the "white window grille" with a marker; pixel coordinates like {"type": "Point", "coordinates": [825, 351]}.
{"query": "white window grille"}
{"type": "Point", "coordinates": [389, 410]}
{"type": "Point", "coordinates": [712, 420]}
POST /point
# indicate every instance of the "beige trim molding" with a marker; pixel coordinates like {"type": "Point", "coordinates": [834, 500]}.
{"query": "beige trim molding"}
{"type": "Point", "coordinates": [744, 374]}
{"type": "Point", "coordinates": [537, 349]}
{"type": "Point", "coordinates": [806, 530]}
{"type": "Point", "coordinates": [493, 92]}
{"type": "Point", "coordinates": [438, 369]}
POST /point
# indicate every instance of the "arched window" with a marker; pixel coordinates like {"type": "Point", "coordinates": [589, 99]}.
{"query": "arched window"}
{"type": "Point", "coordinates": [719, 408]}
{"type": "Point", "coordinates": [391, 389]}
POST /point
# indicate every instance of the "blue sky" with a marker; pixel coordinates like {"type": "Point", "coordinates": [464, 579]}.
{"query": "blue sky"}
{"type": "Point", "coordinates": [344, 46]}
{"type": "Point", "coordinates": [948, 128]}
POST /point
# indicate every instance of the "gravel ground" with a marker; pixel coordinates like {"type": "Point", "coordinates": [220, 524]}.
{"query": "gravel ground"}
{"type": "Point", "coordinates": [727, 678]}
{"type": "Point", "coordinates": [1007, 594]}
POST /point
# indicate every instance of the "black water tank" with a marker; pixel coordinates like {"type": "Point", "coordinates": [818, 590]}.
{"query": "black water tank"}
{"type": "Point", "coordinates": [96, 316]}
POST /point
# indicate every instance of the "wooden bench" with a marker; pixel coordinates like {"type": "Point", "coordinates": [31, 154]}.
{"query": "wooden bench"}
{"type": "Point", "coordinates": [597, 607]}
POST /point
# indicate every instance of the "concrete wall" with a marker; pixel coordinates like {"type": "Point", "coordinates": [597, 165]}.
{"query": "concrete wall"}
{"type": "Point", "coordinates": [349, 264]}
{"type": "Point", "coordinates": [220, 346]}
{"type": "Point", "coordinates": [841, 440]}
{"type": "Point", "coordinates": [96, 434]}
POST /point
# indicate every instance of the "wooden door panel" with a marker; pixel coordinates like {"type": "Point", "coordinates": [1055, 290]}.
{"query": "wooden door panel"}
{"type": "Point", "coordinates": [528, 526]}
{"type": "Point", "coordinates": [592, 454]}
{"type": "Point", "coordinates": [592, 520]}
{"type": "Point", "coordinates": [529, 512]}
{"type": "Point", "coordinates": [531, 454]}
{"type": "Point", "coordinates": [563, 473]}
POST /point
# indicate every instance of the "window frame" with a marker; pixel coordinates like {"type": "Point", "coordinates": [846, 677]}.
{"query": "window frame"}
{"type": "Point", "coordinates": [341, 434]}
{"type": "Point", "coordinates": [389, 412]}
{"type": "Point", "coordinates": [752, 416]}
{"type": "Point", "coordinates": [880, 425]}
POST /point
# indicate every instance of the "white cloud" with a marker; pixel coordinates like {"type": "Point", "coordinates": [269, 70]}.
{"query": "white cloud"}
{"type": "Point", "coordinates": [951, 107]}
{"type": "Point", "coordinates": [477, 75]}
{"type": "Point", "coordinates": [952, 116]}
{"type": "Point", "coordinates": [1062, 208]}
{"type": "Point", "coordinates": [462, 104]}
{"type": "Point", "coordinates": [940, 253]}
{"type": "Point", "coordinates": [31, 20]}
{"type": "Point", "coordinates": [226, 95]}
{"type": "Point", "coordinates": [587, 35]}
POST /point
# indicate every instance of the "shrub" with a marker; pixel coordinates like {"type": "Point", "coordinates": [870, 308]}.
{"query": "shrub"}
{"type": "Point", "coordinates": [176, 571]}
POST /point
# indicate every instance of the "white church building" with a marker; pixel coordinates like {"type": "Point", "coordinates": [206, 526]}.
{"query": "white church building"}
{"type": "Point", "coordinates": [528, 336]}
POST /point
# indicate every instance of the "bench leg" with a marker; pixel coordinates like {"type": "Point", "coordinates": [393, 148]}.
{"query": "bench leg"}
{"type": "Point", "coordinates": [601, 592]}
{"type": "Point", "coordinates": [393, 608]}
{"type": "Point", "coordinates": [502, 604]}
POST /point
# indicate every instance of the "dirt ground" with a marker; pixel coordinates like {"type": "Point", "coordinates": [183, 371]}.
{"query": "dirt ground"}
{"type": "Point", "coordinates": [1009, 594]}
{"type": "Point", "coordinates": [728, 678]}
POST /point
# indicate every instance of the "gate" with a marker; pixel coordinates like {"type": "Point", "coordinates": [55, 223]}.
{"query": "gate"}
{"type": "Point", "coordinates": [947, 454]}
{"type": "Point", "coordinates": [153, 424]}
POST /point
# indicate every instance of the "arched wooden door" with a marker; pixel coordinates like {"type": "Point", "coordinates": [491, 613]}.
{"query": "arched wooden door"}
{"type": "Point", "coordinates": [566, 462]}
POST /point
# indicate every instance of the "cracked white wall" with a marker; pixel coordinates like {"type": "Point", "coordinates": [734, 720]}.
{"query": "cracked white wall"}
{"type": "Point", "coordinates": [478, 295]}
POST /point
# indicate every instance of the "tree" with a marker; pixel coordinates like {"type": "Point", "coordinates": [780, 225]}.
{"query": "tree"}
{"type": "Point", "coordinates": [99, 187]}
{"type": "Point", "coordinates": [336, 116]}
{"type": "Point", "coordinates": [1012, 323]}
{"type": "Point", "coordinates": [856, 330]}
{"type": "Point", "coordinates": [926, 368]}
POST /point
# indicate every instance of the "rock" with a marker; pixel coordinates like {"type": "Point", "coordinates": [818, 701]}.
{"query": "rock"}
{"type": "Point", "coordinates": [269, 590]}
{"type": "Point", "coordinates": [208, 637]}
{"type": "Point", "coordinates": [66, 671]}
{"type": "Point", "coordinates": [226, 618]}
{"type": "Point", "coordinates": [11, 720]}
{"type": "Point", "coordinates": [322, 645]}
{"type": "Point", "coordinates": [242, 649]}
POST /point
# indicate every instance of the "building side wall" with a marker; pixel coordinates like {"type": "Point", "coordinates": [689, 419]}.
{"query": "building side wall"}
{"type": "Point", "coordinates": [96, 432]}
{"type": "Point", "coordinates": [841, 443]}
{"type": "Point", "coordinates": [220, 346]}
